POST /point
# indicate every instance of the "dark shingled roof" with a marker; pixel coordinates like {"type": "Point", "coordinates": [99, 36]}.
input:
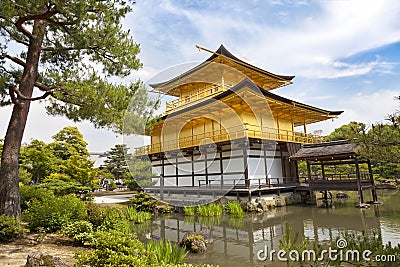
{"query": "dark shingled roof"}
{"type": "Point", "coordinates": [329, 150]}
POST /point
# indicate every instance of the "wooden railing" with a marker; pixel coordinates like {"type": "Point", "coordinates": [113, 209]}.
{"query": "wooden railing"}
{"type": "Point", "coordinates": [231, 133]}
{"type": "Point", "coordinates": [189, 99]}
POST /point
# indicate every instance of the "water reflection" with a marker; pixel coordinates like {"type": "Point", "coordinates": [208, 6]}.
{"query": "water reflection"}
{"type": "Point", "coordinates": [237, 240]}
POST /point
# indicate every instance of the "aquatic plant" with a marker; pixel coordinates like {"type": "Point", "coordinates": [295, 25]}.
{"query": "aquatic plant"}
{"type": "Point", "coordinates": [166, 252]}
{"type": "Point", "coordinates": [138, 217]}
{"type": "Point", "coordinates": [189, 211]}
{"type": "Point", "coordinates": [234, 209]}
{"type": "Point", "coordinates": [209, 210]}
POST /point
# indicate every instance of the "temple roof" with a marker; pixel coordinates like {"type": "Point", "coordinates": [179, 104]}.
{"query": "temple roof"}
{"type": "Point", "coordinates": [295, 110]}
{"type": "Point", "coordinates": [327, 151]}
{"type": "Point", "coordinates": [201, 72]}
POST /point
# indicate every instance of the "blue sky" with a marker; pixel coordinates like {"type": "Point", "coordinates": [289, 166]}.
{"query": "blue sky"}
{"type": "Point", "coordinates": [344, 53]}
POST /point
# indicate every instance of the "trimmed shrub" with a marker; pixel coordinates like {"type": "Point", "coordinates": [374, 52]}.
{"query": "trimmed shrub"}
{"type": "Point", "coordinates": [115, 249]}
{"type": "Point", "coordinates": [29, 193]}
{"type": "Point", "coordinates": [143, 202]}
{"type": "Point", "coordinates": [51, 212]}
{"type": "Point", "coordinates": [80, 231]}
{"type": "Point", "coordinates": [10, 228]}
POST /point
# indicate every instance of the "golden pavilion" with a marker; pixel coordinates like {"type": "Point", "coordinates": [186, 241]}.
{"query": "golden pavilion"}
{"type": "Point", "coordinates": [227, 128]}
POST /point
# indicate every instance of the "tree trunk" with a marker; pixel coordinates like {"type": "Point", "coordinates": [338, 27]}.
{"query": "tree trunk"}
{"type": "Point", "coordinates": [9, 177]}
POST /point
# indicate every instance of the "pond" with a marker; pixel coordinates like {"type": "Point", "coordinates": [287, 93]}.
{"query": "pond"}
{"type": "Point", "coordinates": [237, 240]}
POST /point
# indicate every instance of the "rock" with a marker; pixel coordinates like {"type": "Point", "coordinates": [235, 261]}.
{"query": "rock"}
{"type": "Point", "coordinates": [206, 233]}
{"type": "Point", "coordinates": [263, 205]}
{"type": "Point", "coordinates": [251, 206]}
{"type": "Point", "coordinates": [196, 242]}
{"type": "Point", "coordinates": [279, 201]}
{"type": "Point", "coordinates": [342, 195]}
{"type": "Point", "coordinates": [223, 201]}
{"type": "Point", "coordinates": [39, 259]}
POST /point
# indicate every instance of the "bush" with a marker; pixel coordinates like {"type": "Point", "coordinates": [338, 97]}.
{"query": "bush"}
{"type": "Point", "coordinates": [61, 187]}
{"type": "Point", "coordinates": [51, 212]}
{"type": "Point", "coordinates": [115, 249]}
{"type": "Point", "coordinates": [10, 228]}
{"type": "Point", "coordinates": [143, 202]}
{"type": "Point", "coordinates": [80, 231]}
{"type": "Point", "coordinates": [107, 218]}
{"type": "Point", "coordinates": [29, 193]}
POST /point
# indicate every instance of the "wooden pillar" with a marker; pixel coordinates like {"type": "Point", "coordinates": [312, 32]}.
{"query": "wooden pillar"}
{"type": "Point", "coordinates": [308, 171]}
{"type": "Point", "coordinates": [309, 181]}
{"type": "Point", "coordinates": [176, 171]}
{"type": "Point", "coordinates": [371, 178]}
{"type": "Point", "coordinates": [162, 177]}
{"type": "Point", "coordinates": [324, 178]}
{"type": "Point", "coordinates": [264, 144]}
{"type": "Point", "coordinates": [192, 163]}
{"type": "Point", "coordinates": [205, 165]}
{"type": "Point", "coordinates": [221, 166]}
{"type": "Point", "coordinates": [245, 166]}
{"type": "Point", "coordinates": [360, 193]}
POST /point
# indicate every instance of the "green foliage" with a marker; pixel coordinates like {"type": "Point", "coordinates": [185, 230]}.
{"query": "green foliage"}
{"type": "Point", "coordinates": [164, 209]}
{"type": "Point", "coordinates": [113, 248]}
{"type": "Point", "coordinates": [116, 162]}
{"type": "Point", "coordinates": [29, 193]}
{"type": "Point", "coordinates": [189, 211]}
{"type": "Point", "coordinates": [141, 174]}
{"type": "Point", "coordinates": [166, 252]}
{"type": "Point", "coordinates": [234, 209]}
{"type": "Point", "coordinates": [38, 159]}
{"type": "Point", "coordinates": [10, 228]}
{"type": "Point", "coordinates": [107, 218]}
{"type": "Point", "coordinates": [368, 241]}
{"type": "Point", "coordinates": [80, 231]}
{"type": "Point", "coordinates": [209, 210]}
{"type": "Point", "coordinates": [52, 212]}
{"type": "Point", "coordinates": [347, 132]}
{"type": "Point", "coordinates": [143, 202]}
{"type": "Point", "coordinates": [61, 188]}
{"type": "Point", "coordinates": [138, 217]}
{"type": "Point", "coordinates": [290, 243]}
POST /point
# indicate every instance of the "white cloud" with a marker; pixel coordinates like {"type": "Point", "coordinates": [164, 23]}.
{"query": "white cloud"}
{"type": "Point", "coordinates": [366, 108]}
{"type": "Point", "coordinates": [339, 29]}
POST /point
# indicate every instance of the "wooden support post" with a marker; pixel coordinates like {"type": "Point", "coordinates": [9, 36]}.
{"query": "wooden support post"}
{"type": "Point", "coordinates": [205, 165]}
{"type": "Point", "coordinates": [192, 163]}
{"type": "Point", "coordinates": [371, 178]}
{"type": "Point", "coordinates": [309, 181]}
{"type": "Point", "coordinates": [162, 178]}
{"type": "Point", "coordinates": [176, 171]}
{"type": "Point", "coordinates": [264, 144]}
{"type": "Point", "coordinates": [360, 193]}
{"type": "Point", "coordinates": [245, 166]}
{"type": "Point", "coordinates": [324, 178]}
{"type": "Point", "coordinates": [221, 166]}
{"type": "Point", "coordinates": [308, 171]}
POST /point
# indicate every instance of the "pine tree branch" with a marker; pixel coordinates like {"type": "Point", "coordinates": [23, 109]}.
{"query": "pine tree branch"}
{"type": "Point", "coordinates": [21, 96]}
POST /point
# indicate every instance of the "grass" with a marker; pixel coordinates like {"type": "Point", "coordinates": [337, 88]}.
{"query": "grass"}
{"type": "Point", "coordinates": [166, 252]}
{"type": "Point", "coordinates": [234, 209]}
{"type": "Point", "coordinates": [209, 210]}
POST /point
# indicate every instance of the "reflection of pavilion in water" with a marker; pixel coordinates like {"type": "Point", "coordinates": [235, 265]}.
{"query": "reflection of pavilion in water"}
{"type": "Point", "coordinates": [237, 240]}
